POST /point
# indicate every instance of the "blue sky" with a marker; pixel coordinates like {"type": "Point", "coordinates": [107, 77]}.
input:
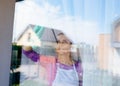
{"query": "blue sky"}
{"type": "Point", "coordinates": [102, 12]}
{"type": "Point", "coordinates": [87, 18]}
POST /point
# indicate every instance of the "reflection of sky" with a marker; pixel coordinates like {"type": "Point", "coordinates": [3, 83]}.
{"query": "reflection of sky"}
{"type": "Point", "coordinates": [84, 17]}
{"type": "Point", "coordinates": [100, 11]}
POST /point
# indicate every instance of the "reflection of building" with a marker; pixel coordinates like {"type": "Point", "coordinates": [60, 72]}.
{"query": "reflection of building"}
{"type": "Point", "coordinates": [104, 49]}
{"type": "Point", "coordinates": [28, 38]}
{"type": "Point", "coordinates": [108, 56]}
{"type": "Point", "coordinates": [42, 39]}
{"type": "Point", "coordinates": [116, 34]}
{"type": "Point", "coordinates": [35, 35]}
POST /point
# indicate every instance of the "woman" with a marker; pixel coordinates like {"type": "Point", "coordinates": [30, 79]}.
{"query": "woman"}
{"type": "Point", "coordinates": [69, 72]}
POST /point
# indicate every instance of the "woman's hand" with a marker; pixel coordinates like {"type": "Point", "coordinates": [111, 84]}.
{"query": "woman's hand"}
{"type": "Point", "coordinates": [27, 48]}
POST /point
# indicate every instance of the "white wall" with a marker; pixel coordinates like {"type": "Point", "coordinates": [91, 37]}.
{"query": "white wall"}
{"type": "Point", "coordinates": [6, 27]}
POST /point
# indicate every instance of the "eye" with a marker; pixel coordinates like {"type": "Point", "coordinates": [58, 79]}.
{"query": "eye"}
{"type": "Point", "coordinates": [58, 41]}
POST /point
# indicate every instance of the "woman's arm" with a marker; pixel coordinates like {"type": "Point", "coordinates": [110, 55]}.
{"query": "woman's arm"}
{"type": "Point", "coordinates": [28, 51]}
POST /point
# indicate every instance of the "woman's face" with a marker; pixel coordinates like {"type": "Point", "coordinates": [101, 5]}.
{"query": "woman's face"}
{"type": "Point", "coordinates": [64, 45]}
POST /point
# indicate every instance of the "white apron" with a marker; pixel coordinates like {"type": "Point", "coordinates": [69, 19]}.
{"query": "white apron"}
{"type": "Point", "coordinates": [66, 77]}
